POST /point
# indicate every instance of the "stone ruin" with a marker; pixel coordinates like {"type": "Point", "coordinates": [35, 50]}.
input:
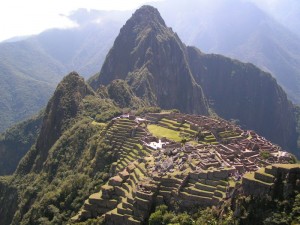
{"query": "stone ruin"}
{"type": "Point", "coordinates": [189, 175]}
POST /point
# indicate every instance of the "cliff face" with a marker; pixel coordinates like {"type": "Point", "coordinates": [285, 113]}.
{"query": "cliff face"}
{"type": "Point", "coordinates": [151, 58]}
{"type": "Point", "coordinates": [62, 107]}
{"type": "Point", "coordinates": [242, 91]}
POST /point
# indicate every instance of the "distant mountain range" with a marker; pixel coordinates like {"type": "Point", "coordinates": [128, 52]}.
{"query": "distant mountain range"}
{"type": "Point", "coordinates": [286, 12]}
{"type": "Point", "coordinates": [31, 68]}
{"type": "Point", "coordinates": [77, 143]}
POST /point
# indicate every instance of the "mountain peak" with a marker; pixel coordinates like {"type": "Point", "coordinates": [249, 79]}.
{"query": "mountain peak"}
{"type": "Point", "coordinates": [146, 15]}
{"type": "Point", "coordinates": [61, 109]}
{"type": "Point", "coordinates": [151, 58]}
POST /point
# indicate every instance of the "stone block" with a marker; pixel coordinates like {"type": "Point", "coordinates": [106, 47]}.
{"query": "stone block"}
{"type": "Point", "coordinates": [202, 175]}
{"type": "Point", "coordinates": [111, 204]}
{"type": "Point", "coordinates": [124, 175]}
{"type": "Point", "coordinates": [211, 183]}
{"type": "Point", "coordinates": [107, 191]}
{"type": "Point", "coordinates": [221, 174]}
{"type": "Point", "coordinates": [264, 177]}
{"type": "Point", "coordinates": [132, 221]}
{"type": "Point", "coordinates": [115, 181]}
{"type": "Point", "coordinates": [143, 195]}
{"type": "Point", "coordinates": [159, 200]}
{"type": "Point", "coordinates": [194, 175]}
{"type": "Point", "coordinates": [120, 191]}
{"type": "Point", "coordinates": [131, 167]}
{"type": "Point", "coordinates": [85, 214]}
{"type": "Point", "coordinates": [142, 204]}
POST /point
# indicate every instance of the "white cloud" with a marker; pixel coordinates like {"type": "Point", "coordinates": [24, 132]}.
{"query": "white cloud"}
{"type": "Point", "coordinates": [19, 17]}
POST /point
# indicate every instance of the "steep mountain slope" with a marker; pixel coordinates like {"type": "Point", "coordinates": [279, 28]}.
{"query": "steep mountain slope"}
{"type": "Point", "coordinates": [61, 109]}
{"type": "Point", "coordinates": [69, 159]}
{"type": "Point", "coordinates": [151, 58]}
{"type": "Point", "coordinates": [241, 30]}
{"type": "Point", "coordinates": [244, 92]}
{"type": "Point", "coordinates": [27, 78]}
{"type": "Point", "coordinates": [16, 141]}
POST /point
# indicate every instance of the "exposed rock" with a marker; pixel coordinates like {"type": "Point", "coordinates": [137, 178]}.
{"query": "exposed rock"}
{"type": "Point", "coordinates": [151, 58]}
{"type": "Point", "coordinates": [115, 181]}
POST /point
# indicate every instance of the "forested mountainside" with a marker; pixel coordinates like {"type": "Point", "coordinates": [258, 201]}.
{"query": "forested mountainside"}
{"type": "Point", "coordinates": [16, 141]}
{"type": "Point", "coordinates": [31, 68]}
{"type": "Point", "coordinates": [111, 152]}
{"type": "Point", "coordinates": [64, 161]}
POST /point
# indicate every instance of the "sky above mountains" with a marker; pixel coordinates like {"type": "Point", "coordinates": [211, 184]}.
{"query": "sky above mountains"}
{"type": "Point", "coordinates": [21, 18]}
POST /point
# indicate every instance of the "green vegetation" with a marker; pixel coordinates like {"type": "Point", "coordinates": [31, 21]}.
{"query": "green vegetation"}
{"type": "Point", "coordinates": [220, 216]}
{"type": "Point", "coordinates": [70, 161]}
{"type": "Point", "coordinates": [77, 163]}
{"type": "Point", "coordinates": [265, 154]}
{"type": "Point", "coordinates": [16, 141]}
{"type": "Point", "coordinates": [287, 166]}
{"type": "Point", "coordinates": [121, 93]}
{"type": "Point", "coordinates": [78, 149]}
{"type": "Point", "coordinates": [27, 80]}
{"type": "Point", "coordinates": [269, 211]}
{"type": "Point", "coordinates": [159, 131]}
{"type": "Point", "coordinates": [100, 110]}
{"type": "Point", "coordinates": [163, 216]}
{"type": "Point", "coordinates": [144, 110]}
{"type": "Point", "coordinates": [244, 210]}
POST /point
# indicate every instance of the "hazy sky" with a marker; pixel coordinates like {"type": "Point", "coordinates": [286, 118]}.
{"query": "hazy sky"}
{"type": "Point", "coordinates": [19, 17]}
{"type": "Point", "coordinates": [25, 17]}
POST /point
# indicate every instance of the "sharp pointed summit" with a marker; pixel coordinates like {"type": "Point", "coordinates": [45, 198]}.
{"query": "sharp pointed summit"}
{"type": "Point", "coordinates": [147, 15]}
{"type": "Point", "coordinates": [152, 59]}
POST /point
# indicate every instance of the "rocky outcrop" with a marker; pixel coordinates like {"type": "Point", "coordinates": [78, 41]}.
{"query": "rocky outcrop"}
{"type": "Point", "coordinates": [245, 93]}
{"type": "Point", "coordinates": [151, 58]}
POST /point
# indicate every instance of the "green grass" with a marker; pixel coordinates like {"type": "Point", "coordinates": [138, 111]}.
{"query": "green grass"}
{"type": "Point", "coordinates": [250, 176]}
{"type": "Point", "coordinates": [287, 166]}
{"type": "Point", "coordinates": [98, 124]}
{"type": "Point", "coordinates": [231, 183]}
{"type": "Point", "coordinates": [159, 131]}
